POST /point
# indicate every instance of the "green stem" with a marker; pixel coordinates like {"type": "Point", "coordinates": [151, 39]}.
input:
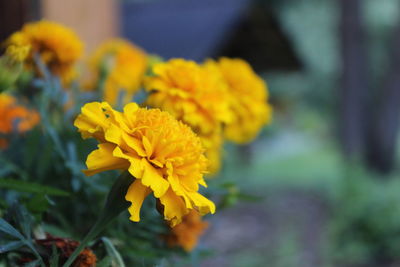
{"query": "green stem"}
{"type": "Point", "coordinates": [115, 204]}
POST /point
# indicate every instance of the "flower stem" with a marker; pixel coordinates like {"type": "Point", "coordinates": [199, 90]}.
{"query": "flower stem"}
{"type": "Point", "coordinates": [115, 204]}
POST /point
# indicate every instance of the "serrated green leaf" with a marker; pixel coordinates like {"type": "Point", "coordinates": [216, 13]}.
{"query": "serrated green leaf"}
{"type": "Point", "coordinates": [113, 252]}
{"type": "Point", "coordinates": [11, 246]}
{"type": "Point", "coordinates": [31, 187]}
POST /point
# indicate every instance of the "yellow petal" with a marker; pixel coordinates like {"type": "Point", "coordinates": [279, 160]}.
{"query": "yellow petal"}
{"type": "Point", "coordinates": [93, 121]}
{"type": "Point", "coordinates": [174, 207]}
{"type": "Point", "coordinates": [114, 135]}
{"type": "Point", "coordinates": [179, 190]}
{"type": "Point", "coordinates": [102, 159]}
{"type": "Point", "coordinates": [136, 194]}
{"type": "Point", "coordinates": [152, 178]}
{"type": "Point", "coordinates": [135, 144]}
{"type": "Point", "coordinates": [147, 146]}
{"type": "Point", "coordinates": [202, 204]}
{"type": "Point", "coordinates": [135, 163]}
{"type": "Point", "coordinates": [130, 108]}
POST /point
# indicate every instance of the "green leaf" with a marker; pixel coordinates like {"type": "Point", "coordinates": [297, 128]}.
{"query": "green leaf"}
{"type": "Point", "coordinates": [249, 198]}
{"type": "Point", "coordinates": [113, 252]}
{"type": "Point", "coordinates": [54, 257]}
{"type": "Point", "coordinates": [7, 228]}
{"type": "Point", "coordinates": [34, 263]}
{"type": "Point", "coordinates": [31, 187]}
{"type": "Point", "coordinates": [115, 204]}
{"type": "Point", "coordinates": [38, 204]}
{"type": "Point", "coordinates": [23, 218]}
{"type": "Point", "coordinates": [11, 246]}
{"type": "Point", "coordinates": [105, 262]}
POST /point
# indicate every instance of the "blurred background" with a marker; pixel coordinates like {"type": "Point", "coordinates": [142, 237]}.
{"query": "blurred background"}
{"type": "Point", "coordinates": [321, 185]}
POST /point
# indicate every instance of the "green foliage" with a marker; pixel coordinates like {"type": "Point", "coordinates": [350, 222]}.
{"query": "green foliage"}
{"type": "Point", "coordinates": [45, 195]}
{"type": "Point", "coordinates": [30, 187]}
{"type": "Point", "coordinates": [366, 225]}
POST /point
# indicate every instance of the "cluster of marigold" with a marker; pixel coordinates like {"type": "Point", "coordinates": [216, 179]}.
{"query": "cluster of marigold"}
{"type": "Point", "coordinates": [169, 143]}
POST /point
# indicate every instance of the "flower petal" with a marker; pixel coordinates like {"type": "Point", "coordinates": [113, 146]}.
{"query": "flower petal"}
{"type": "Point", "coordinates": [134, 144]}
{"type": "Point", "coordinates": [179, 190]}
{"type": "Point", "coordinates": [152, 178]}
{"type": "Point", "coordinates": [102, 159]}
{"type": "Point", "coordinates": [135, 167]}
{"type": "Point", "coordinates": [136, 194]}
{"type": "Point", "coordinates": [92, 121]}
{"type": "Point", "coordinates": [174, 207]}
{"type": "Point", "coordinates": [202, 204]}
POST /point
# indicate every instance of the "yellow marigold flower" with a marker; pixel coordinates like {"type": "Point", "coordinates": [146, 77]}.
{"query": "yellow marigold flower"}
{"type": "Point", "coordinates": [126, 65]}
{"type": "Point", "coordinates": [163, 154]}
{"type": "Point", "coordinates": [187, 233]}
{"type": "Point", "coordinates": [213, 145]}
{"type": "Point", "coordinates": [18, 53]}
{"type": "Point", "coordinates": [58, 46]}
{"type": "Point", "coordinates": [249, 100]}
{"type": "Point", "coordinates": [15, 117]}
{"type": "Point", "coordinates": [194, 94]}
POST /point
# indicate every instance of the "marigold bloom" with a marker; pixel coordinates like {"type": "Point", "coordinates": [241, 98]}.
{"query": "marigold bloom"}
{"type": "Point", "coordinates": [126, 65]}
{"type": "Point", "coordinates": [195, 94]}
{"type": "Point", "coordinates": [163, 154]}
{"type": "Point", "coordinates": [15, 117]}
{"type": "Point", "coordinates": [187, 233]}
{"type": "Point", "coordinates": [213, 145]}
{"type": "Point", "coordinates": [18, 53]}
{"type": "Point", "coordinates": [248, 102]}
{"type": "Point", "coordinates": [58, 46]}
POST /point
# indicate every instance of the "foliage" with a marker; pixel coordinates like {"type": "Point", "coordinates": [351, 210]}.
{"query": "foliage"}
{"type": "Point", "coordinates": [47, 202]}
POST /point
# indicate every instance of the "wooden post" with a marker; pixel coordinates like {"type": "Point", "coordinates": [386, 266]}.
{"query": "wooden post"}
{"type": "Point", "coordinates": [354, 87]}
{"type": "Point", "coordinates": [93, 20]}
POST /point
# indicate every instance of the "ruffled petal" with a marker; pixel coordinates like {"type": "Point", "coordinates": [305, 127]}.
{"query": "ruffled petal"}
{"type": "Point", "coordinates": [135, 166]}
{"type": "Point", "coordinates": [134, 144]}
{"type": "Point", "coordinates": [136, 194]}
{"type": "Point", "coordinates": [202, 204]}
{"type": "Point", "coordinates": [102, 159]}
{"type": "Point", "coordinates": [174, 207]}
{"type": "Point", "coordinates": [93, 121]}
{"type": "Point", "coordinates": [179, 190]}
{"type": "Point", "coordinates": [152, 178]}
{"type": "Point", "coordinates": [147, 146]}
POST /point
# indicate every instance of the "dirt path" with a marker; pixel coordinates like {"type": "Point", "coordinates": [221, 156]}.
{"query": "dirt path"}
{"type": "Point", "coordinates": [285, 230]}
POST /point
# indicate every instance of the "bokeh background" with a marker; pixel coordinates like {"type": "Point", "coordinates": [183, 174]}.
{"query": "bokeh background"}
{"type": "Point", "coordinates": [320, 186]}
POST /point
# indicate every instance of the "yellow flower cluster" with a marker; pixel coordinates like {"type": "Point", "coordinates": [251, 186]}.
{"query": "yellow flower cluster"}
{"type": "Point", "coordinates": [194, 94]}
{"type": "Point", "coordinates": [126, 65]}
{"type": "Point", "coordinates": [14, 117]}
{"type": "Point", "coordinates": [167, 150]}
{"type": "Point", "coordinates": [248, 101]}
{"type": "Point", "coordinates": [58, 46]}
{"type": "Point", "coordinates": [18, 53]}
{"type": "Point", "coordinates": [187, 233]}
{"type": "Point", "coordinates": [163, 154]}
{"type": "Point", "coordinates": [216, 99]}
